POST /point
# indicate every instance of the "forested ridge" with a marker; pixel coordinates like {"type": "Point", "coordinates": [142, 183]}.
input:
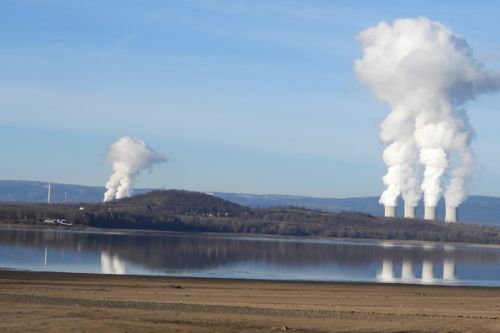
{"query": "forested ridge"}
{"type": "Point", "coordinates": [176, 210]}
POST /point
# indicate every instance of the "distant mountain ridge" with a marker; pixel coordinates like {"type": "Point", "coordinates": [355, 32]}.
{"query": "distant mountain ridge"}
{"type": "Point", "coordinates": [36, 191]}
{"type": "Point", "coordinates": [476, 209]}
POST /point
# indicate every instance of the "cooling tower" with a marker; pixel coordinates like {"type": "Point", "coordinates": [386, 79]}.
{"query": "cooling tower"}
{"type": "Point", "coordinates": [430, 213]}
{"type": "Point", "coordinates": [409, 212]}
{"type": "Point", "coordinates": [451, 214]}
{"type": "Point", "coordinates": [390, 211]}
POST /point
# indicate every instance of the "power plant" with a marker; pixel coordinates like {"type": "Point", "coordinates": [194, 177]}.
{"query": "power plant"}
{"type": "Point", "coordinates": [451, 215]}
{"type": "Point", "coordinates": [427, 134]}
{"type": "Point", "coordinates": [390, 211]}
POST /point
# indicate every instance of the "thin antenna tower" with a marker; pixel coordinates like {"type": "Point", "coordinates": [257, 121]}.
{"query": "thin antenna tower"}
{"type": "Point", "coordinates": [48, 194]}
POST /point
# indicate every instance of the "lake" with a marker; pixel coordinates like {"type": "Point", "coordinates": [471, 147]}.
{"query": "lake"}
{"type": "Point", "coordinates": [248, 257]}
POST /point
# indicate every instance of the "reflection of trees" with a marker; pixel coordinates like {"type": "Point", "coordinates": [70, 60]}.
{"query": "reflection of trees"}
{"type": "Point", "coordinates": [186, 251]}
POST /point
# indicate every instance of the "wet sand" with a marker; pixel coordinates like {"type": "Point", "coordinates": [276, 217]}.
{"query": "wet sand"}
{"type": "Point", "coordinates": [59, 302]}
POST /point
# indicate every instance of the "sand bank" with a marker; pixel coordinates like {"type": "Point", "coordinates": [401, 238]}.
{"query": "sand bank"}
{"type": "Point", "coordinates": [59, 302]}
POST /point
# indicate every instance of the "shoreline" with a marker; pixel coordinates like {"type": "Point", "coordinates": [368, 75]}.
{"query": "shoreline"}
{"type": "Point", "coordinates": [31, 274]}
{"type": "Point", "coordinates": [256, 236]}
{"type": "Point", "coordinates": [59, 302]}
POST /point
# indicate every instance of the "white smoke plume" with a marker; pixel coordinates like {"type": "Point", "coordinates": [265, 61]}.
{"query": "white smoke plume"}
{"type": "Point", "coordinates": [128, 157]}
{"type": "Point", "coordinates": [425, 73]}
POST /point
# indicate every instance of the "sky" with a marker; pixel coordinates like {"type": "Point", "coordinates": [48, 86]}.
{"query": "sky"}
{"type": "Point", "coordinates": [241, 96]}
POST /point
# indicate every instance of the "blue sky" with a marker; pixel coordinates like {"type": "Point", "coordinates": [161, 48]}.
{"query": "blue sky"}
{"type": "Point", "coordinates": [241, 96]}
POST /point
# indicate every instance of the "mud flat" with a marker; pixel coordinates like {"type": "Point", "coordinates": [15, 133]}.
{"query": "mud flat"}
{"type": "Point", "coordinates": [60, 302]}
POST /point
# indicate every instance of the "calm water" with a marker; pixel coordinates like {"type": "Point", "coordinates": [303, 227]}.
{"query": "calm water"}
{"type": "Point", "coordinates": [187, 254]}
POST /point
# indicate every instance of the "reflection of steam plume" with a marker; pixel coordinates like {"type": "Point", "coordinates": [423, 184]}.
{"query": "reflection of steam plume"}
{"type": "Point", "coordinates": [425, 73]}
{"type": "Point", "coordinates": [128, 157]}
{"type": "Point", "coordinates": [112, 264]}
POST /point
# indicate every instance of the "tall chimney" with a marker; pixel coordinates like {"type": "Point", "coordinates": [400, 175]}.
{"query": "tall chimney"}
{"type": "Point", "coordinates": [390, 211]}
{"type": "Point", "coordinates": [430, 213]}
{"type": "Point", "coordinates": [409, 212]}
{"type": "Point", "coordinates": [48, 194]}
{"type": "Point", "coordinates": [451, 214]}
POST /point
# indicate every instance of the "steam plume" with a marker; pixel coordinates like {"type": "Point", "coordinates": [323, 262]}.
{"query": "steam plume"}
{"type": "Point", "coordinates": [128, 157]}
{"type": "Point", "coordinates": [425, 73]}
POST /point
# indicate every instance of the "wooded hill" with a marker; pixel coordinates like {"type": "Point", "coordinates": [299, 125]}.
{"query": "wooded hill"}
{"type": "Point", "coordinates": [475, 210]}
{"type": "Point", "coordinates": [176, 210]}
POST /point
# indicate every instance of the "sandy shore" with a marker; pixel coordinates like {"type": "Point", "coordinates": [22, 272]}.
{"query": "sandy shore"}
{"type": "Point", "coordinates": [56, 302]}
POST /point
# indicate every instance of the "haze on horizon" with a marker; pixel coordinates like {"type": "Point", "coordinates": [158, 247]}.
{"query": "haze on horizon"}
{"type": "Point", "coordinates": [249, 97]}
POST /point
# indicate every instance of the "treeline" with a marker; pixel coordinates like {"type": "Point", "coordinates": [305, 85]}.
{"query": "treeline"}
{"type": "Point", "coordinates": [346, 225]}
{"type": "Point", "coordinates": [197, 212]}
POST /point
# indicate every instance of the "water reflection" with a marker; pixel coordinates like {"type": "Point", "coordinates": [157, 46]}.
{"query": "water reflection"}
{"type": "Point", "coordinates": [387, 274]}
{"type": "Point", "coordinates": [45, 258]}
{"type": "Point", "coordinates": [407, 270]}
{"type": "Point", "coordinates": [449, 269]}
{"type": "Point", "coordinates": [247, 257]}
{"type": "Point", "coordinates": [112, 264]}
{"type": "Point", "coordinates": [427, 271]}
